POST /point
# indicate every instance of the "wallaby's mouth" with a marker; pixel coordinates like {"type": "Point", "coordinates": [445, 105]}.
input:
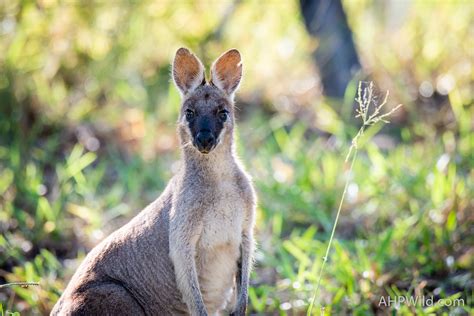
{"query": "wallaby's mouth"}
{"type": "Point", "coordinates": [205, 150]}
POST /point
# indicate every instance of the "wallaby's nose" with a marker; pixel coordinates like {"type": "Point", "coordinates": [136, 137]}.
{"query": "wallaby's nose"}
{"type": "Point", "coordinates": [205, 141]}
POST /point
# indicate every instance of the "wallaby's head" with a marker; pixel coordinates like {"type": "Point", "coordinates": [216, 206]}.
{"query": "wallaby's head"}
{"type": "Point", "coordinates": [207, 112]}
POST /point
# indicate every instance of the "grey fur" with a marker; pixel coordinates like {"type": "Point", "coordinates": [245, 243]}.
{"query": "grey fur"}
{"type": "Point", "coordinates": [189, 250]}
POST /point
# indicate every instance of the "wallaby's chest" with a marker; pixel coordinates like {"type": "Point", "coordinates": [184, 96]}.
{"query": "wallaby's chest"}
{"type": "Point", "coordinates": [224, 217]}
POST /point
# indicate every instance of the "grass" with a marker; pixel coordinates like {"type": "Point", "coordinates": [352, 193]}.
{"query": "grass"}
{"type": "Point", "coordinates": [403, 230]}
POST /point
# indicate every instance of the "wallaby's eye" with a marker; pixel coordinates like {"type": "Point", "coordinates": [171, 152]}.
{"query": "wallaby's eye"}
{"type": "Point", "coordinates": [223, 115]}
{"type": "Point", "coordinates": [189, 114]}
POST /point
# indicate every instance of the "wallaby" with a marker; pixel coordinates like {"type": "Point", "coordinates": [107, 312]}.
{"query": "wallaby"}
{"type": "Point", "coordinates": [189, 251]}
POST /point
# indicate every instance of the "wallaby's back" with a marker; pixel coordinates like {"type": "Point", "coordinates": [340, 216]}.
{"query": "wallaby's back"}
{"type": "Point", "coordinates": [130, 272]}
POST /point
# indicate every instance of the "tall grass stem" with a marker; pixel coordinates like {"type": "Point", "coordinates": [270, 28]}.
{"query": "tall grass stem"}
{"type": "Point", "coordinates": [365, 98]}
{"type": "Point", "coordinates": [325, 258]}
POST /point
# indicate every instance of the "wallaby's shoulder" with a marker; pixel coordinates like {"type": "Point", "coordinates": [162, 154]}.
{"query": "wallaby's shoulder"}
{"type": "Point", "coordinates": [244, 182]}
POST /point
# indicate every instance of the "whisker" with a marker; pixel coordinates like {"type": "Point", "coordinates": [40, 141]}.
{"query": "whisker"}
{"type": "Point", "coordinates": [186, 144]}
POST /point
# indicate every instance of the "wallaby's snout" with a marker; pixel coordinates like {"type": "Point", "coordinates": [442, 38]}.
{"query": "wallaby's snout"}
{"type": "Point", "coordinates": [205, 141]}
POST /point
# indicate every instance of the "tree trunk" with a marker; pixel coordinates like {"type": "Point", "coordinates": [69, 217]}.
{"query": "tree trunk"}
{"type": "Point", "coordinates": [336, 55]}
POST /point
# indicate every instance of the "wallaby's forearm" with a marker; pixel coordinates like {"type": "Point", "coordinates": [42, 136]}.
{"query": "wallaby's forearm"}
{"type": "Point", "coordinates": [183, 240]}
{"type": "Point", "coordinates": [187, 280]}
{"type": "Point", "coordinates": [243, 273]}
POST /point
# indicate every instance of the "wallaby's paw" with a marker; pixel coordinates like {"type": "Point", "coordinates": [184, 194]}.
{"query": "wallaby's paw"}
{"type": "Point", "coordinates": [240, 311]}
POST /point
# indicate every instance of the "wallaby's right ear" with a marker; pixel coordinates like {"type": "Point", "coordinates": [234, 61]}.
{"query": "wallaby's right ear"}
{"type": "Point", "coordinates": [188, 71]}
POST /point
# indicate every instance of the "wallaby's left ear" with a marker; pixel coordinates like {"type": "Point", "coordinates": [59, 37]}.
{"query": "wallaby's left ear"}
{"type": "Point", "coordinates": [226, 71]}
{"type": "Point", "coordinates": [188, 71]}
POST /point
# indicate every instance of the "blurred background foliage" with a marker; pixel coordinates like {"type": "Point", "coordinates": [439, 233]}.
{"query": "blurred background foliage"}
{"type": "Point", "coordinates": [87, 138]}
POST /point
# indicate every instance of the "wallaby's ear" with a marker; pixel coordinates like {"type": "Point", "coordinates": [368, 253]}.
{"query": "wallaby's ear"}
{"type": "Point", "coordinates": [188, 71]}
{"type": "Point", "coordinates": [226, 71]}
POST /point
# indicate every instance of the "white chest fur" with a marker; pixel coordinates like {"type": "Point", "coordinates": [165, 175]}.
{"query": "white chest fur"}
{"type": "Point", "coordinates": [223, 221]}
{"type": "Point", "coordinates": [219, 246]}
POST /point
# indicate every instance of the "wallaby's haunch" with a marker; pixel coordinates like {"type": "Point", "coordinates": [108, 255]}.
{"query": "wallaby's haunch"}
{"type": "Point", "coordinates": [189, 251]}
